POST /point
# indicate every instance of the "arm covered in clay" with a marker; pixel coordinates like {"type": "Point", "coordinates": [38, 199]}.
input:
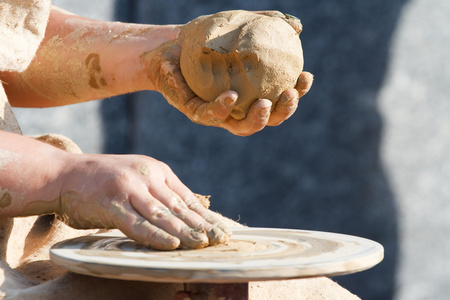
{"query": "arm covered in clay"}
{"type": "Point", "coordinates": [81, 60]}
{"type": "Point", "coordinates": [136, 194]}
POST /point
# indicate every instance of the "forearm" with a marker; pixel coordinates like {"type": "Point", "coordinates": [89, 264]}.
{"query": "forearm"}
{"type": "Point", "coordinates": [29, 176]}
{"type": "Point", "coordinates": [81, 60]}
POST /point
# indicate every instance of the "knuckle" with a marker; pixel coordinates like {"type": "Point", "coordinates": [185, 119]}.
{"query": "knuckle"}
{"type": "Point", "coordinates": [179, 208]}
{"type": "Point", "coordinates": [160, 212]}
{"type": "Point", "coordinates": [123, 179]}
{"type": "Point", "coordinates": [163, 167]}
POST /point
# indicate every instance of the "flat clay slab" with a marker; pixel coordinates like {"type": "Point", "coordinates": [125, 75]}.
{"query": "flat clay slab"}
{"type": "Point", "coordinates": [252, 254]}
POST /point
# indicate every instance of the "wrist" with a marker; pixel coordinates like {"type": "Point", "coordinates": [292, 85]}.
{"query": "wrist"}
{"type": "Point", "coordinates": [47, 199]}
{"type": "Point", "coordinates": [148, 57]}
{"type": "Point", "coordinates": [31, 177]}
{"type": "Point", "coordinates": [125, 60]}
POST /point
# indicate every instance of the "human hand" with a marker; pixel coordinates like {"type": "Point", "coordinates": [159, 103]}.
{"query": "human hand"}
{"type": "Point", "coordinates": [140, 196]}
{"type": "Point", "coordinates": [261, 114]}
{"type": "Point", "coordinates": [165, 73]}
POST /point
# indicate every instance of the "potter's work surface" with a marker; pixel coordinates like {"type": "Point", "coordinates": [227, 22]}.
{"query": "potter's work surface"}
{"type": "Point", "coordinates": [251, 254]}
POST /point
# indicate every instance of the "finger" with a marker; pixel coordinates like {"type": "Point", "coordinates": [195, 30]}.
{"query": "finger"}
{"type": "Point", "coordinates": [288, 102]}
{"type": "Point", "coordinates": [284, 108]}
{"type": "Point", "coordinates": [133, 225]}
{"type": "Point", "coordinates": [212, 113]}
{"type": "Point", "coordinates": [219, 231]}
{"type": "Point", "coordinates": [159, 215]}
{"type": "Point", "coordinates": [304, 83]}
{"type": "Point", "coordinates": [256, 120]}
{"type": "Point", "coordinates": [191, 217]}
{"type": "Point", "coordinates": [214, 226]}
{"type": "Point", "coordinates": [223, 105]}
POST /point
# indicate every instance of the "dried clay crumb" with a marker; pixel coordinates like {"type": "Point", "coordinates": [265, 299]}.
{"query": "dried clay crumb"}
{"type": "Point", "coordinates": [204, 200]}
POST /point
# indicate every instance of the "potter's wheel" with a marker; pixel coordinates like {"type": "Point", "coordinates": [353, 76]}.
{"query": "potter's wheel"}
{"type": "Point", "coordinates": [252, 254]}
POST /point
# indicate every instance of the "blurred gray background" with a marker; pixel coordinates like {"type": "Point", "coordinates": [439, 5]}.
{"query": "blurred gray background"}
{"type": "Point", "coordinates": [367, 152]}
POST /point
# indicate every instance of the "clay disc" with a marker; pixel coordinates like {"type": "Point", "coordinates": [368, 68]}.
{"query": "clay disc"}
{"type": "Point", "coordinates": [252, 254]}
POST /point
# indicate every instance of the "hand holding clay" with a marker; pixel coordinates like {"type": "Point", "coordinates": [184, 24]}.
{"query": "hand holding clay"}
{"type": "Point", "coordinates": [237, 70]}
{"type": "Point", "coordinates": [140, 196]}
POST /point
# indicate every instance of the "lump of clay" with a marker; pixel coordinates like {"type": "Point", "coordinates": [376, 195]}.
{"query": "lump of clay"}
{"type": "Point", "coordinates": [256, 55]}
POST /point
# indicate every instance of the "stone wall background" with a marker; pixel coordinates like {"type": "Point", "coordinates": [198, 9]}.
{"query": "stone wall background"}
{"type": "Point", "coordinates": [367, 152]}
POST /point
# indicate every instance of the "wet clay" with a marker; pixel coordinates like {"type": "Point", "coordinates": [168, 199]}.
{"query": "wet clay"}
{"type": "Point", "coordinates": [256, 55]}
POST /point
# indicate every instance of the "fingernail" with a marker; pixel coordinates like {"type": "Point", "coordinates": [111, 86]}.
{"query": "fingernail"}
{"type": "Point", "coordinates": [217, 236]}
{"type": "Point", "coordinates": [228, 101]}
{"type": "Point", "coordinates": [171, 243]}
{"type": "Point", "coordinates": [198, 238]}
{"type": "Point", "coordinates": [264, 112]}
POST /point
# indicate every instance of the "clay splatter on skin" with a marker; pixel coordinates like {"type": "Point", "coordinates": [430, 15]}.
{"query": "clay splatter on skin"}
{"type": "Point", "coordinates": [131, 31]}
{"type": "Point", "coordinates": [144, 170]}
{"type": "Point", "coordinates": [40, 207]}
{"type": "Point", "coordinates": [92, 63]}
{"type": "Point", "coordinates": [5, 200]}
{"type": "Point", "coordinates": [7, 157]}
